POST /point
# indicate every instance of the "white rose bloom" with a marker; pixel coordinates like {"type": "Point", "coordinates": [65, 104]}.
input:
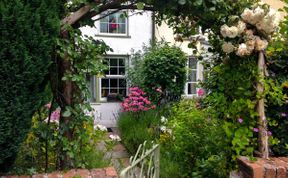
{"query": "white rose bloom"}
{"type": "Point", "coordinates": [258, 15]}
{"type": "Point", "coordinates": [242, 50]}
{"type": "Point", "coordinates": [241, 26]}
{"type": "Point", "coordinates": [249, 34]}
{"type": "Point", "coordinates": [247, 15]}
{"type": "Point", "coordinates": [270, 22]}
{"type": "Point", "coordinates": [233, 32]}
{"type": "Point", "coordinates": [260, 44]}
{"type": "Point", "coordinates": [224, 30]}
{"type": "Point", "coordinates": [250, 45]}
{"type": "Point", "coordinates": [228, 47]}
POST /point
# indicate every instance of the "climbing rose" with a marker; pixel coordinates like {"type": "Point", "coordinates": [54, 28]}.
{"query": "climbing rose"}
{"type": "Point", "coordinates": [200, 92]}
{"type": "Point", "coordinates": [243, 50]}
{"type": "Point", "coordinates": [240, 120]}
{"type": "Point", "coordinates": [228, 47]}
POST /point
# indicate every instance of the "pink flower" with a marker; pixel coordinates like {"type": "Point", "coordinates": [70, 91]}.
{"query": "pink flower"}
{"type": "Point", "coordinates": [200, 92]}
{"type": "Point", "coordinates": [55, 116]}
{"type": "Point", "coordinates": [283, 114]}
{"type": "Point", "coordinates": [48, 105]}
{"type": "Point", "coordinates": [240, 120]}
{"type": "Point", "coordinates": [269, 133]}
{"type": "Point", "coordinates": [255, 130]}
{"type": "Point", "coordinates": [159, 90]}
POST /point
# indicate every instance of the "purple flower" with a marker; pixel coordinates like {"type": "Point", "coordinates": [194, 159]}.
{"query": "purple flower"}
{"type": "Point", "coordinates": [269, 133]}
{"type": "Point", "coordinates": [240, 120]}
{"type": "Point", "coordinates": [283, 114]}
{"type": "Point", "coordinates": [255, 130]}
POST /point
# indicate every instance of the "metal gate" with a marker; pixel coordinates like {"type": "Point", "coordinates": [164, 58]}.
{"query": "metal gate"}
{"type": "Point", "coordinates": [145, 163]}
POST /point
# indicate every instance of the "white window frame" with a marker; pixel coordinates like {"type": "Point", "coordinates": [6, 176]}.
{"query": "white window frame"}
{"type": "Point", "coordinates": [113, 34]}
{"type": "Point", "coordinates": [126, 62]}
{"type": "Point", "coordinates": [199, 76]}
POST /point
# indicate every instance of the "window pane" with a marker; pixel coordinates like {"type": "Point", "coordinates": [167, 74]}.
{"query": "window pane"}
{"type": "Point", "coordinates": [113, 62]}
{"type": "Point", "coordinates": [122, 83]}
{"type": "Point", "coordinates": [104, 27]}
{"type": "Point", "coordinates": [104, 92]}
{"type": "Point", "coordinates": [121, 62]}
{"type": "Point", "coordinates": [122, 28]}
{"type": "Point", "coordinates": [122, 92]}
{"type": "Point", "coordinates": [113, 71]}
{"type": "Point", "coordinates": [105, 19]}
{"type": "Point", "coordinates": [192, 63]}
{"type": "Point", "coordinates": [113, 91]}
{"type": "Point", "coordinates": [193, 76]}
{"type": "Point", "coordinates": [121, 18]}
{"type": "Point", "coordinates": [191, 88]}
{"type": "Point", "coordinates": [105, 82]}
{"type": "Point", "coordinates": [121, 71]}
{"type": "Point", "coordinates": [113, 83]}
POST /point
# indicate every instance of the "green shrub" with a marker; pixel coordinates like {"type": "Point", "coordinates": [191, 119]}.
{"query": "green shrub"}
{"type": "Point", "coordinates": [136, 128]}
{"type": "Point", "coordinates": [28, 32]}
{"type": "Point", "coordinates": [160, 71]}
{"type": "Point", "coordinates": [197, 143]}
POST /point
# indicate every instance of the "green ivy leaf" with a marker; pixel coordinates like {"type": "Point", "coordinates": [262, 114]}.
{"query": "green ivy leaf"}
{"type": "Point", "coordinates": [67, 113]}
{"type": "Point", "coordinates": [182, 2]}
{"type": "Point", "coordinates": [140, 5]}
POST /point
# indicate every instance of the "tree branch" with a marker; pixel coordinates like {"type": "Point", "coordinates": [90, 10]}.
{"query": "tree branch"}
{"type": "Point", "coordinates": [88, 12]}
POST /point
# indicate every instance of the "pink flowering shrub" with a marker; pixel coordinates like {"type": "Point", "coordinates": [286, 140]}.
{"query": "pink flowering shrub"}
{"type": "Point", "coordinates": [137, 101]}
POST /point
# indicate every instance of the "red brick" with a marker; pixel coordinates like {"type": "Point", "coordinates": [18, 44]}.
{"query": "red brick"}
{"type": "Point", "coordinates": [23, 176]}
{"type": "Point", "coordinates": [110, 171]}
{"type": "Point", "coordinates": [250, 169]}
{"type": "Point", "coordinates": [98, 173]}
{"type": "Point", "coordinates": [84, 173]}
{"type": "Point", "coordinates": [270, 171]}
{"type": "Point", "coordinates": [39, 176]}
{"type": "Point", "coordinates": [70, 173]}
{"type": "Point", "coordinates": [281, 172]}
{"type": "Point", "coordinates": [55, 174]}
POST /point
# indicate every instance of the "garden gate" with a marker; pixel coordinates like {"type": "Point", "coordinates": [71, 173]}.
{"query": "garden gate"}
{"type": "Point", "coordinates": [145, 163]}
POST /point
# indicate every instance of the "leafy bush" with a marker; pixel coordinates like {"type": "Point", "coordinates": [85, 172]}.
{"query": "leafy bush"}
{"type": "Point", "coordinates": [192, 144]}
{"type": "Point", "coordinates": [28, 32]}
{"type": "Point", "coordinates": [136, 128]}
{"type": "Point", "coordinates": [197, 143]}
{"type": "Point", "coordinates": [44, 138]}
{"type": "Point", "coordinates": [162, 73]}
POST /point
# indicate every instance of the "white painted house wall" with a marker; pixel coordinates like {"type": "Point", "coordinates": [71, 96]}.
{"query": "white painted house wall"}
{"type": "Point", "coordinates": [139, 33]}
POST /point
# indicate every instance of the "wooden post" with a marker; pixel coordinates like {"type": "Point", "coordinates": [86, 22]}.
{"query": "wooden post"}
{"type": "Point", "coordinates": [262, 122]}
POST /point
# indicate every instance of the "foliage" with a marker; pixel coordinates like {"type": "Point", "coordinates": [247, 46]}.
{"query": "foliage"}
{"type": "Point", "coordinates": [196, 142]}
{"type": "Point", "coordinates": [231, 83]}
{"type": "Point", "coordinates": [84, 55]}
{"type": "Point", "coordinates": [277, 66]}
{"type": "Point", "coordinates": [28, 32]}
{"type": "Point", "coordinates": [162, 72]}
{"type": "Point", "coordinates": [135, 129]}
{"type": "Point", "coordinates": [192, 144]}
{"type": "Point", "coordinates": [31, 157]}
{"type": "Point", "coordinates": [136, 101]}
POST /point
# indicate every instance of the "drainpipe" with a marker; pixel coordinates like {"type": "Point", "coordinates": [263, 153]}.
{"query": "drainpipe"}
{"type": "Point", "coordinates": [153, 40]}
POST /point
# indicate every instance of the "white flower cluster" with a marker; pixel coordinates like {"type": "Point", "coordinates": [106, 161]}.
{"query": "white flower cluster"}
{"type": "Point", "coordinates": [256, 20]}
{"type": "Point", "coordinates": [115, 138]}
{"type": "Point", "coordinates": [100, 127]}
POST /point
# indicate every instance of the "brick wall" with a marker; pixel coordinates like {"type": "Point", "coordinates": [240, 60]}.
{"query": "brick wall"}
{"type": "Point", "coordinates": [83, 173]}
{"type": "Point", "coordinates": [262, 168]}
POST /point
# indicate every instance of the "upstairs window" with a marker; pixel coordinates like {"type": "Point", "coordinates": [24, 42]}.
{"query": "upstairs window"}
{"type": "Point", "coordinates": [114, 24]}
